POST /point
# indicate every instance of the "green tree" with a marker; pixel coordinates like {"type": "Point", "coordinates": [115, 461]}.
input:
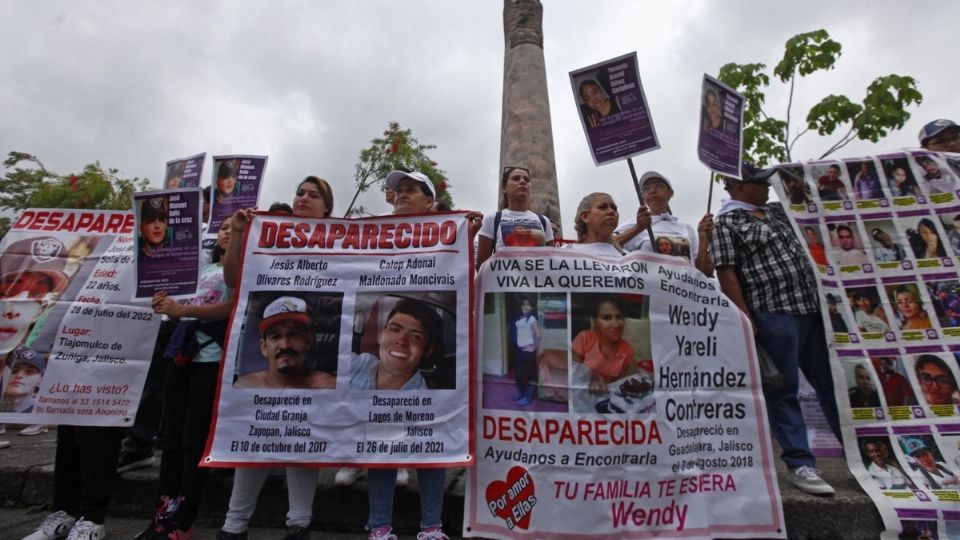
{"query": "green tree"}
{"type": "Point", "coordinates": [396, 149]}
{"type": "Point", "coordinates": [767, 138]}
{"type": "Point", "coordinates": [35, 186]}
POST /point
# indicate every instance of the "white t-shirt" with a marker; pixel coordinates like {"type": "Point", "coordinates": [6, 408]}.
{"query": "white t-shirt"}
{"type": "Point", "coordinates": [516, 229]}
{"type": "Point", "coordinates": [683, 238]}
{"type": "Point", "coordinates": [525, 337]}
{"type": "Point", "coordinates": [599, 249]}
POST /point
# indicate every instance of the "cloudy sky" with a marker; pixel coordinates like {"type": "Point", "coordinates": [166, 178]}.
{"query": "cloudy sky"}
{"type": "Point", "coordinates": [309, 83]}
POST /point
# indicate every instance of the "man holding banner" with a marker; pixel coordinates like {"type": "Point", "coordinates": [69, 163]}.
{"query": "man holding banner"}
{"type": "Point", "coordinates": [762, 268]}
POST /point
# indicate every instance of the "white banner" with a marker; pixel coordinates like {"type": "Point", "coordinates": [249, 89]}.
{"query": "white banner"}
{"type": "Point", "coordinates": [74, 350]}
{"type": "Point", "coordinates": [883, 233]}
{"type": "Point", "coordinates": [349, 344]}
{"type": "Point", "coordinates": [617, 430]}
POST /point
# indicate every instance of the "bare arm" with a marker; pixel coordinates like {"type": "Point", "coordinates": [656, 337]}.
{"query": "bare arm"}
{"type": "Point", "coordinates": [703, 262]}
{"type": "Point", "coordinates": [165, 305]}
{"type": "Point", "coordinates": [231, 259]}
{"type": "Point", "coordinates": [730, 285]}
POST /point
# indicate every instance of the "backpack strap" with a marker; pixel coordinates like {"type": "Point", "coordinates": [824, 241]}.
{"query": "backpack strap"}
{"type": "Point", "coordinates": [496, 227]}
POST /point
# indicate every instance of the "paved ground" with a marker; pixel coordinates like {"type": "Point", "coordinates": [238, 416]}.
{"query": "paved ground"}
{"type": "Point", "coordinates": [26, 484]}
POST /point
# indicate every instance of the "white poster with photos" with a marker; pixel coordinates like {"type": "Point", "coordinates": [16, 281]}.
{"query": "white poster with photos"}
{"type": "Point", "coordinates": [348, 344]}
{"type": "Point", "coordinates": [883, 234]}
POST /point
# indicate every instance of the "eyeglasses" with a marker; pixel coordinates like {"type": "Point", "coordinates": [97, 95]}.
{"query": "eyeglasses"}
{"type": "Point", "coordinates": [939, 380]}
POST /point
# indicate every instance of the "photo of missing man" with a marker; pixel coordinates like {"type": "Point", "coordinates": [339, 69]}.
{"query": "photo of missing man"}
{"type": "Point", "coordinates": [174, 176]}
{"type": "Point", "coordinates": [795, 185]}
{"type": "Point", "coordinates": [831, 184]}
{"type": "Point", "coordinates": [289, 340]}
{"type": "Point", "coordinates": [404, 341]}
{"type": "Point", "coordinates": [868, 312]}
{"type": "Point", "coordinates": [882, 464]}
{"type": "Point", "coordinates": [155, 235]}
{"type": "Point", "coordinates": [866, 182]}
{"type": "Point", "coordinates": [927, 465]}
{"type": "Point", "coordinates": [862, 391]}
{"type": "Point", "coordinates": [885, 241]}
{"type": "Point", "coordinates": [847, 244]}
{"type": "Point", "coordinates": [612, 370]}
{"type": "Point", "coordinates": [23, 382]}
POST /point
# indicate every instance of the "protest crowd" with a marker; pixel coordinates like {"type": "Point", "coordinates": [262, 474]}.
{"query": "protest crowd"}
{"type": "Point", "coordinates": [749, 247]}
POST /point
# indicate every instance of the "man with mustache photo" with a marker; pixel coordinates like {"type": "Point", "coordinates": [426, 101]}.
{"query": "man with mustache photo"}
{"type": "Point", "coordinates": [285, 338]}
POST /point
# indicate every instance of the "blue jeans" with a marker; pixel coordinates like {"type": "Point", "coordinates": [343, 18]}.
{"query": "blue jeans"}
{"type": "Point", "coordinates": [381, 484]}
{"type": "Point", "coordinates": [797, 343]}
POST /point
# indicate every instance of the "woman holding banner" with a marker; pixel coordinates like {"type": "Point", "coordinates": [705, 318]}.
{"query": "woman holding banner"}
{"type": "Point", "coordinates": [514, 224]}
{"type": "Point", "coordinates": [189, 388]}
{"type": "Point", "coordinates": [655, 213]}
{"type": "Point", "coordinates": [313, 198]}
{"type": "Point", "coordinates": [596, 219]}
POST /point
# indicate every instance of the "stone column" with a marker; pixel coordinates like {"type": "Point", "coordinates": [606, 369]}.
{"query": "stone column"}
{"type": "Point", "coordinates": [526, 135]}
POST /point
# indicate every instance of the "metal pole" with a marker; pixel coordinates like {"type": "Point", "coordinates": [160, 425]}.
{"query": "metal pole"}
{"type": "Point", "coordinates": [636, 185]}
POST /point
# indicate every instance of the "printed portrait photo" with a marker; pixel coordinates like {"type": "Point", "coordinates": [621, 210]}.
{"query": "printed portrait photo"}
{"type": "Point", "coordinates": [831, 182]}
{"type": "Point", "coordinates": [22, 374]}
{"type": "Point", "coordinates": [525, 352]}
{"type": "Point", "coordinates": [612, 369]}
{"type": "Point", "coordinates": [885, 241]}
{"type": "Point", "coordinates": [945, 298]}
{"type": "Point", "coordinates": [934, 174]}
{"type": "Point", "coordinates": [925, 238]}
{"type": "Point", "coordinates": [882, 465]}
{"type": "Point", "coordinates": [950, 221]}
{"type": "Point", "coordinates": [290, 339]}
{"type": "Point", "coordinates": [594, 99]}
{"type": "Point", "coordinates": [836, 311]}
{"type": "Point", "coordinates": [909, 309]}
{"type": "Point", "coordinates": [814, 240]}
{"type": "Point", "coordinates": [404, 341]}
{"type": "Point", "coordinates": [861, 388]}
{"type": "Point", "coordinates": [154, 233]}
{"type": "Point", "coordinates": [926, 463]}
{"type": "Point", "coordinates": [894, 383]}
{"type": "Point", "coordinates": [868, 311]}
{"type": "Point", "coordinates": [848, 247]}
{"type": "Point", "coordinates": [795, 185]}
{"type": "Point", "coordinates": [936, 376]}
{"type": "Point", "coordinates": [900, 179]}
{"type": "Point", "coordinates": [866, 181]}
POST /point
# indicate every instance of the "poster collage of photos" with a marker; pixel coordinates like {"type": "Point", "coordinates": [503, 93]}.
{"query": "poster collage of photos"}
{"type": "Point", "coordinates": [883, 233]}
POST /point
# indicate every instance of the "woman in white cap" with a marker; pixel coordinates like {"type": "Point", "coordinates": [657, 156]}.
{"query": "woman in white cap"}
{"type": "Point", "coordinates": [313, 198]}
{"type": "Point", "coordinates": [655, 212]}
{"type": "Point", "coordinates": [415, 194]}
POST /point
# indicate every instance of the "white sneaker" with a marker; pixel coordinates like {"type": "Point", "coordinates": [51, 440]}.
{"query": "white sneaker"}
{"type": "Point", "coordinates": [35, 429]}
{"type": "Point", "coordinates": [4, 444]}
{"type": "Point", "coordinates": [382, 533]}
{"type": "Point", "coordinates": [347, 476]}
{"type": "Point", "coordinates": [87, 530]}
{"type": "Point", "coordinates": [3, 429]}
{"type": "Point", "coordinates": [403, 477]}
{"type": "Point", "coordinates": [56, 526]}
{"type": "Point", "coordinates": [807, 479]}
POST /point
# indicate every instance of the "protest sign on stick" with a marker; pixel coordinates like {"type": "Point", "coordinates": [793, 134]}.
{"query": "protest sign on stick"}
{"type": "Point", "coordinates": [184, 172]}
{"type": "Point", "coordinates": [348, 345]}
{"type": "Point", "coordinates": [720, 143]}
{"type": "Point", "coordinates": [236, 185]}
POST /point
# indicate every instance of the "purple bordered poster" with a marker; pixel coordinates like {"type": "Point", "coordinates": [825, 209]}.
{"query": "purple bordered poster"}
{"type": "Point", "coordinates": [720, 145]}
{"type": "Point", "coordinates": [613, 109]}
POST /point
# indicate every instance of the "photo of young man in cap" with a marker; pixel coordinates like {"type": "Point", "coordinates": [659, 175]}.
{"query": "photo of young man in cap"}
{"type": "Point", "coordinates": [175, 175]}
{"type": "Point", "coordinates": [226, 180]}
{"type": "Point", "coordinates": [153, 226]}
{"type": "Point", "coordinates": [32, 276]}
{"type": "Point", "coordinates": [24, 382]}
{"type": "Point", "coordinates": [286, 336]}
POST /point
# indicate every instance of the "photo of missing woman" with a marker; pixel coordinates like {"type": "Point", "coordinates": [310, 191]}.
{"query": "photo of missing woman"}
{"type": "Point", "coordinates": [908, 307]}
{"type": "Point", "coordinates": [900, 179]}
{"type": "Point", "coordinates": [936, 379]}
{"type": "Point", "coordinates": [925, 238]}
{"type": "Point", "coordinates": [612, 370]}
{"type": "Point", "coordinates": [404, 341]}
{"type": "Point", "coordinates": [595, 101]}
{"type": "Point", "coordinates": [525, 350]}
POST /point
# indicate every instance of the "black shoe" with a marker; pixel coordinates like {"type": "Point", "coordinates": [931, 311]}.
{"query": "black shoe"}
{"type": "Point", "coordinates": [224, 535]}
{"type": "Point", "coordinates": [297, 532]}
{"type": "Point", "coordinates": [129, 461]}
{"type": "Point", "coordinates": [152, 532]}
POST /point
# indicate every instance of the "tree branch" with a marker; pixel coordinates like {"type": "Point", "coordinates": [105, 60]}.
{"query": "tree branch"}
{"type": "Point", "coordinates": [845, 140]}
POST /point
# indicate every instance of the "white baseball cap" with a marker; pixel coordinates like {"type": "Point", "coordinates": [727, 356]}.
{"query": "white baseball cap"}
{"type": "Point", "coordinates": [285, 308]}
{"type": "Point", "coordinates": [394, 178]}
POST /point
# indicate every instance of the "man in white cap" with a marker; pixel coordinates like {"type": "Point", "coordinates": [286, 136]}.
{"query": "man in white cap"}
{"type": "Point", "coordinates": [940, 136]}
{"type": "Point", "coordinates": [285, 338]}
